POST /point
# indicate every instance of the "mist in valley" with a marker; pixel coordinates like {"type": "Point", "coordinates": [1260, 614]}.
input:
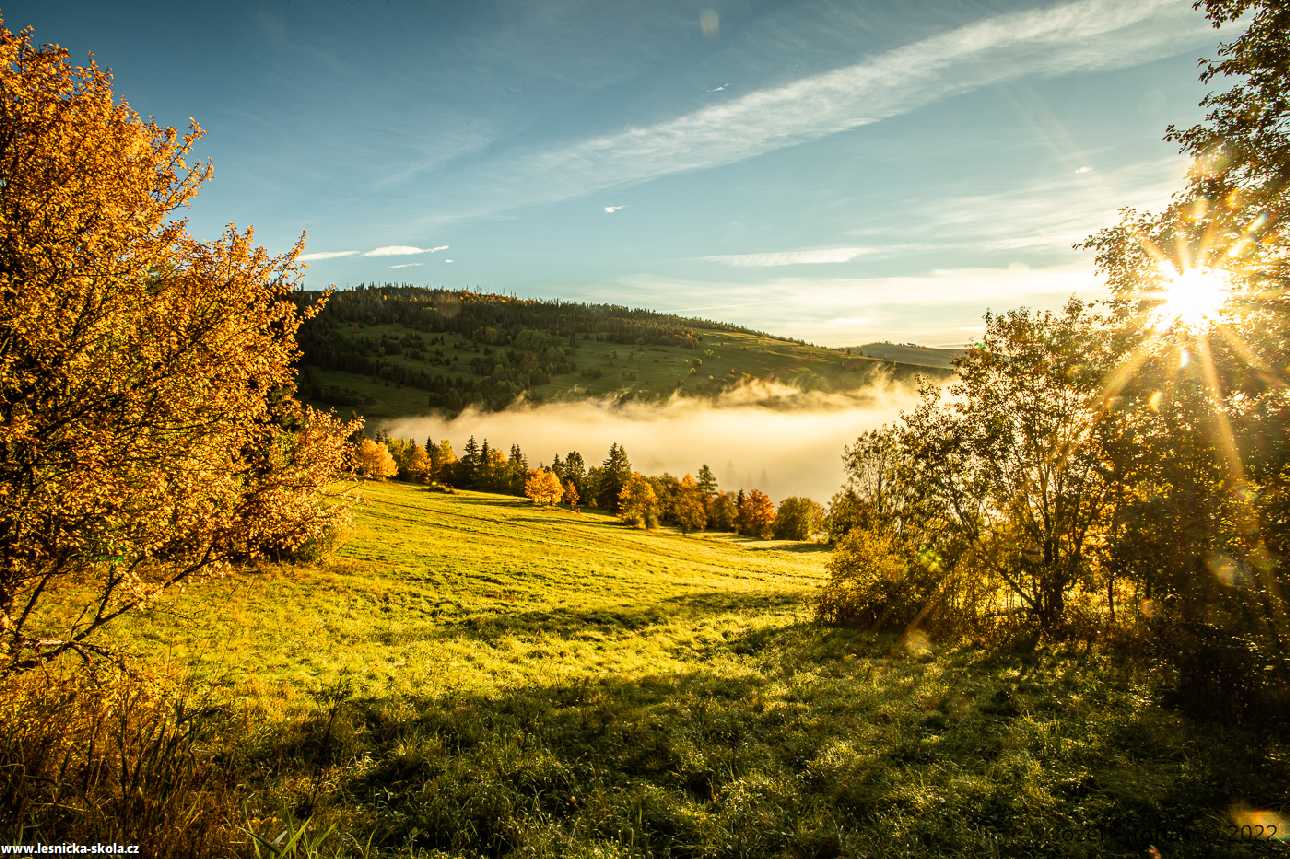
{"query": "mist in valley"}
{"type": "Point", "coordinates": [762, 435]}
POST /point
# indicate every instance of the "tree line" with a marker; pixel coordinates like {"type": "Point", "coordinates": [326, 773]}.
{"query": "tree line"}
{"type": "Point", "coordinates": [644, 501]}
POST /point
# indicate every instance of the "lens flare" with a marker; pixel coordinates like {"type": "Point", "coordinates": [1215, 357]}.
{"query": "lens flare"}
{"type": "Point", "coordinates": [1193, 298]}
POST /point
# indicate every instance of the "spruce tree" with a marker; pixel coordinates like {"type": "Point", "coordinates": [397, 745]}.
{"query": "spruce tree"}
{"type": "Point", "coordinates": [469, 467]}
{"type": "Point", "coordinates": [615, 472]}
{"type": "Point", "coordinates": [707, 482]}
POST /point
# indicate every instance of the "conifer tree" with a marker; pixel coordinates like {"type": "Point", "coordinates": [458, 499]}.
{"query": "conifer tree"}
{"type": "Point", "coordinates": [575, 470]}
{"type": "Point", "coordinates": [615, 472]}
{"type": "Point", "coordinates": [707, 482]}
{"type": "Point", "coordinates": [468, 468]}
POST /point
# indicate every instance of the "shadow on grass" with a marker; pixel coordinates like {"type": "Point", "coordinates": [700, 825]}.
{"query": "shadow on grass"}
{"type": "Point", "coordinates": [824, 744]}
{"type": "Point", "coordinates": [572, 623]}
{"type": "Point", "coordinates": [809, 548]}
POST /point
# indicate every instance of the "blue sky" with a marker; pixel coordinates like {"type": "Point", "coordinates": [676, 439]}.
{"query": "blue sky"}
{"type": "Point", "coordinates": [837, 171]}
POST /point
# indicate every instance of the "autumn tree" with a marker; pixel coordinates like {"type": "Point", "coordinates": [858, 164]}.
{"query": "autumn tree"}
{"type": "Point", "coordinates": [571, 497]}
{"type": "Point", "coordinates": [150, 430]}
{"type": "Point", "coordinates": [1011, 467]}
{"type": "Point", "coordinates": [543, 487]}
{"type": "Point", "coordinates": [688, 507]}
{"type": "Point", "coordinates": [845, 513]}
{"type": "Point", "coordinates": [374, 461]}
{"type": "Point", "coordinates": [401, 449]}
{"type": "Point", "coordinates": [637, 504]}
{"type": "Point", "coordinates": [667, 489]}
{"type": "Point", "coordinates": [443, 461]}
{"type": "Point", "coordinates": [874, 493]}
{"type": "Point", "coordinates": [757, 515]}
{"type": "Point", "coordinates": [418, 466]}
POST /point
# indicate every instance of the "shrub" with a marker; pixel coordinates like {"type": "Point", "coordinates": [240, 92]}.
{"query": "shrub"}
{"type": "Point", "coordinates": [871, 585]}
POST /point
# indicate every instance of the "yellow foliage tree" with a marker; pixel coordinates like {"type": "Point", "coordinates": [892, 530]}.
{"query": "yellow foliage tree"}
{"type": "Point", "coordinates": [571, 496]}
{"type": "Point", "coordinates": [688, 507]}
{"type": "Point", "coordinates": [419, 466]}
{"type": "Point", "coordinates": [638, 503]}
{"type": "Point", "coordinates": [374, 461]}
{"type": "Point", "coordinates": [148, 425]}
{"type": "Point", "coordinates": [543, 487]}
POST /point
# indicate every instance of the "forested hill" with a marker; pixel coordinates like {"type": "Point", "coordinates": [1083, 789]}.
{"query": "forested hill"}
{"type": "Point", "coordinates": [910, 353]}
{"type": "Point", "coordinates": [392, 350]}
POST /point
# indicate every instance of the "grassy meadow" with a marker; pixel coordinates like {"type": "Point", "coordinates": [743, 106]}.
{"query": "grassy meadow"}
{"type": "Point", "coordinates": [473, 676]}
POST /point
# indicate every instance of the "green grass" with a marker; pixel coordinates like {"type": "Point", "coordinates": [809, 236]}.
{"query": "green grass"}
{"type": "Point", "coordinates": [471, 675]}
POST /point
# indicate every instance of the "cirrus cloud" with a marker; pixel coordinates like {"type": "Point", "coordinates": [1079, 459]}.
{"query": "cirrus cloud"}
{"type": "Point", "coordinates": [326, 255]}
{"type": "Point", "coordinates": [809, 256]}
{"type": "Point", "coordinates": [403, 250]}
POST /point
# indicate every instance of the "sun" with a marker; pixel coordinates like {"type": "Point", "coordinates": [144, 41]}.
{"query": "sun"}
{"type": "Point", "coordinates": [1192, 298]}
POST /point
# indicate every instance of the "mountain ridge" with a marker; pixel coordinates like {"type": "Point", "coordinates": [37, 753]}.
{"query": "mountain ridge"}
{"type": "Point", "coordinates": [390, 350]}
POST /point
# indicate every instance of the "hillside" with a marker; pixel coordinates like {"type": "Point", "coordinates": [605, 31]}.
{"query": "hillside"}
{"type": "Point", "coordinates": [912, 355]}
{"type": "Point", "coordinates": [473, 675]}
{"type": "Point", "coordinates": [391, 351]}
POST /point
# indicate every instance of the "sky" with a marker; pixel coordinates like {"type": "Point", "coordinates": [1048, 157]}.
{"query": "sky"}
{"type": "Point", "coordinates": [841, 172]}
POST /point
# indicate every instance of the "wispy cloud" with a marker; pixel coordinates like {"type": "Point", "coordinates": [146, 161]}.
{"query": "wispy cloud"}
{"type": "Point", "coordinates": [327, 255]}
{"type": "Point", "coordinates": [810, 256]}
{"type": "Point", "coordinates": [1075, 36]}
{"type": "Point", "coordinates": [609, 210]}
{"type": "Point", "coordinates": [407, 265]}
{"type": "Point", "coordinates": [403, 250]}
{"type": "Point", "coordinates": [450, 260]}
{"type": "Point", "coordinates": [1054, 213]}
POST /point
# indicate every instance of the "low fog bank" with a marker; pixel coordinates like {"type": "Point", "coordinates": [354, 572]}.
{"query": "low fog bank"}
{"type": "Point", "coordinates": [764, 435]}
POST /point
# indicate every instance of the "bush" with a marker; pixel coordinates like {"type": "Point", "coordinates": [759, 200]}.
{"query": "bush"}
{"type": "Point", "coordinates": [871, 585]}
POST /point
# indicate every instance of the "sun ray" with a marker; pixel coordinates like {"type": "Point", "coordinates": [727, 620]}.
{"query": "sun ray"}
{"type": "Point", "coordinates": [1242, 492]}
{"type": "Point", "coordinates": [1247, 354]}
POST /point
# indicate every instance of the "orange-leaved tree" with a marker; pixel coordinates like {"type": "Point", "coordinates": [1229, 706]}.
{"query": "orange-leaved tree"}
{"type": "Point", "coordinates": [148, 424]}
{"type": "Point", "coordinates": [757, 515]}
